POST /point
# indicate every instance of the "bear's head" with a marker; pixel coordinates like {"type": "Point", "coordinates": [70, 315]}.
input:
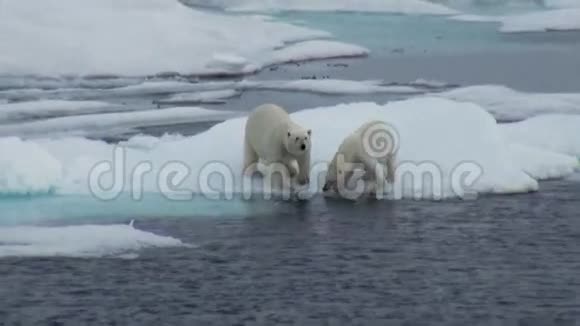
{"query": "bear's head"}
{"type": "Point", "coordinates": [297, 141]}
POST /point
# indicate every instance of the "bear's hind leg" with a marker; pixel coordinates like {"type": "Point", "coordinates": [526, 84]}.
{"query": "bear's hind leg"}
{"type": "Point", "coordinates": [250, 158]}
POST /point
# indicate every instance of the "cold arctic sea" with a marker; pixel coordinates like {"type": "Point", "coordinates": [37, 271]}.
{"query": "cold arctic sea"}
{"type": "Point", "coordinates": [68, 258]}
{"type": "Point", "coordinates": [510, 260]}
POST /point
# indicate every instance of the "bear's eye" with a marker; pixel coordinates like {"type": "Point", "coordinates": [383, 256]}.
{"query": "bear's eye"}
{"type": "Point", "coordinates": [297, 138]}
{"type": "Point", "coordinates": [288, 133]}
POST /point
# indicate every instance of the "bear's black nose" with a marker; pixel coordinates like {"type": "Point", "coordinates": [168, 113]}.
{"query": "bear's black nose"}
{"type": "Point", "coordinates": [303, 147]}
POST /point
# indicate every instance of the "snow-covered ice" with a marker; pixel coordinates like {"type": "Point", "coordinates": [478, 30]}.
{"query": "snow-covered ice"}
{"type": "Point", "coordinates": [332, 86]}
{"type": "Point", "coordinates": [180, 91]}
{"type": "Point", "coordinates": [554, 132]}
{"type": "Point", "coordinates": [477, 18]}
{"type": "Point", "coordinates": [385, 6]}
{"type": "Point", "coordinates": [537, 21]}
{"type": "Point", "coordinates": [199, 92]}
{"type": "Point", "coordinates": [217, 96]}
{"type": "Point", "coordinates": [78, 241]}
{"type": "Point", "coordinates": [137, 38]}
{"type": "Point", "coordinates": [542, 164]}
{"type": "Point", "coordinates": [508, 104]}
{"type": "Point", "coordinates": [22, 82]}
{"type": "Point", "coordinates": [47, 108]}
{"type": "Point", "coordinates": [79, 125]}
{"type": "Point", "coordinates": [167, 87]}
{"type": "Point", "coordinates": [433, 84]}
{"type": "Point", "coordinates": [312, 50]}
{"type": "Point", "coordinates": [468, 137]}
{"type": "Point", "coordinates": [27, 168]}
{"type": "Point", "coordinates": [552, 20]}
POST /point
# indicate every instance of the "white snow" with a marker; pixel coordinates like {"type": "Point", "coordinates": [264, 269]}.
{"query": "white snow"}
{"type": "Point", "coordinates": [146, 142]}
{"type": "Point", "coordinates": [47, 108]}
{"type": "Point", "coordinates": [558, 19]}
{"type": "Point", "coordinates": [79, 124]}
{"type": "Point", "coordinates": [385, 6]}
{"type": "Point", "coordinates": [541, 164]}
{"type": "Point", "coordinates": [217, 96]}
{"type": "Point", "coordinates": [508, 104]}
{"type": "Point", "coordinates": [554, 132]}
{"type": "Point", "coordinates": [210, 91]}
{"type": "Point", "coordinates": [167, 87]}
{"type": "Point", "coordinates": [79, 241]}
{"type": "Point", "coordinates": [137, 38]}
{"type": "Point", "coordinates": [421, 82]}
{"type": "Point", "coordinates": [537, 21]}
{"type": "Point", "coordinates": [20, 82]}
{"type": "Point", "coordinates": [27, 168]}
{"type": "Point", "coordinates": [438, 135]}
{"type": "Point", "coordinates": [476, 18]}
{"type": "Point", "coordinates": [449, 138]}
{"type": "Point", "coordinates": [312, 50]}
{"type": "Point", "coordinates": [332, 86]}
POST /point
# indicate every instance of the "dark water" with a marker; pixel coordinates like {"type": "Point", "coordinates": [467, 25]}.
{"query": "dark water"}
{"type": "Point", "coordinates": [500, 260]}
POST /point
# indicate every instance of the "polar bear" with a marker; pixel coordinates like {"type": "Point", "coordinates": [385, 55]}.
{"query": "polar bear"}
{"type": "Point", "coordinates": [371, 148]}
{"type": "Point", "coordinates": [272, 137]}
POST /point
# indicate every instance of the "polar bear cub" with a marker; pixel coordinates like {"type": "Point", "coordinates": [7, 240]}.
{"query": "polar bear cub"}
{"type": "Point", "coordinates": [272, 137]}
{"type": "Point", "coordinates": [371, 148]}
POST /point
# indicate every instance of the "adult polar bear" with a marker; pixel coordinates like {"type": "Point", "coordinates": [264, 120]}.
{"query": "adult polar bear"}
{"type": "Point", "coordinates": [373, 148]}
{"type": "Point", "coordinates": [271, 136]}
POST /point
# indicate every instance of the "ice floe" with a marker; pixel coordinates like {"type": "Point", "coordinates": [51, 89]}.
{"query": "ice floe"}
{"type": "Point", "coordinates": [508, 104]}
{"type": "Point", "coordinates": [333, 86]}
{"type": "Point", "coordinates": [537, 21]}
{"type": "Point", "coordinates": [80, 125]}
{"type": "Point", "coordinates": [80, 241]}
{"type": "Point", "coordinates": [208, 97]}
{"type": "Point", "coordinates": [554, 132]}
{"type": "Point", "coordinates": [27, 168]}
{"type": "Point", "coordinates": [138, 38]}
{"type": "Point", "coordinates": [48, 108]}
{"type": "Point", "coordinates": [311, 50]}
{"type": "Point", "coordinates": [440, 135]}
{"type": "Point", "coordinates": [385, 6]}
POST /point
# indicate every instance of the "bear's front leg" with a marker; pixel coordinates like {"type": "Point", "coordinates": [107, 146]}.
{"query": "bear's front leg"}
{"type": "Point", "coordinates": [293, 168]}
{"type": "Point", "coordinates": [303, 176]}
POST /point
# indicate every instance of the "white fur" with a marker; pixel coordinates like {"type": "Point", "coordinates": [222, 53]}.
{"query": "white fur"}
{"type": "Point", "coordinates": [351, 156]}
{"type": "Point", "coordinates": [272, 137]}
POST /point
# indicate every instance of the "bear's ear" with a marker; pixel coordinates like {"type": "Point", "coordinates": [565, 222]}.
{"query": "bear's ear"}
{"type": "Point", "coordinates": [309, 132]}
